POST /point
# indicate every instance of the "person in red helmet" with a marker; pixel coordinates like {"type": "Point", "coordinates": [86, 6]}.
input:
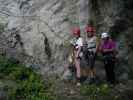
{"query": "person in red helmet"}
{"type": "Point", "coordinates": [90, 53]}
{"type": "Point", "coordinates": [77, 43]}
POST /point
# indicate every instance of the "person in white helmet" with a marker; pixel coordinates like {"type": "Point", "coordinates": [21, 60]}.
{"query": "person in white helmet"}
{"type": "Point", "coordinates": [107, 48]}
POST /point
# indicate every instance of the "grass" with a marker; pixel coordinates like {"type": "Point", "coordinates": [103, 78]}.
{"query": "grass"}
{"type": "Point", "coordinates": [100, 92]}
{"type": "Point", "coordinates": [103, 89]}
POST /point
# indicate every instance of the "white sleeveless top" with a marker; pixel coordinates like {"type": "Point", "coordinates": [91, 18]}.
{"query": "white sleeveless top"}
{"type": "Point", "coordinates": [91, 43]}
{"type": "Point", "coordinates": [79, 42]}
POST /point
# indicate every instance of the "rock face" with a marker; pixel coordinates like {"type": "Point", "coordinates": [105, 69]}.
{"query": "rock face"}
{"type": "Point", "coordinates": [37, 31]}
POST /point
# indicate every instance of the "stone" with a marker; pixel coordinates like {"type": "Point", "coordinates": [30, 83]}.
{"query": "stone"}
{"type": "Point", "coordinates": [45, 25]}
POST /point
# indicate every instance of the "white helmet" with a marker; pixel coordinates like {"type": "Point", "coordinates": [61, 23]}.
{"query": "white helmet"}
{"type": "Point", "coordinates": [104, 35]}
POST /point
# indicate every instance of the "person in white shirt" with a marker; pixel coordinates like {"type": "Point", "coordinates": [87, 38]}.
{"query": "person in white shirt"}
{"type": "Point", "coordinates": [91, 45]}
{"type": "Point", "coordinates": [77, 43]}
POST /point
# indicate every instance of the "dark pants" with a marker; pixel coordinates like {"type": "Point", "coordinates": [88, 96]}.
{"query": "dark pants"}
{"type": "Point", "coordinates": [109, 64]}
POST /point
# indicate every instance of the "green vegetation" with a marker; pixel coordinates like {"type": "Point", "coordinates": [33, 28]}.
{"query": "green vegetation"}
{"type": "Point", "coordinates": [27, 85]}
{"type": "Point", "coordinates": [130, 72]}
{"type": "Point", "coordinates": [2, 25]}
{"type": "Point", "coordinates": [2, 28]}
{"type": "Point", "coordinates": [101, 92]}
{"type": "Point", "coordinates": [103, 89]}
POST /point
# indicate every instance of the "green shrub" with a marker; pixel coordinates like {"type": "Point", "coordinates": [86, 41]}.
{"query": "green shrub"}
{"type": "Point", "coordinates": [95, 91]}
{"type": "Point", "coordinates": [89, 90]}
{"type": "Point", "coordinates": [130, 72]}
{"type": "Point", "coordinates": [2, 27]}
{"type": "Point", "coordinates": [30, 85]}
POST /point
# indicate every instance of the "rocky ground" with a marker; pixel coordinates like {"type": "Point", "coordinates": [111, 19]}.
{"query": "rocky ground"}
{"type": "Point", "coordinates": [69, 91]}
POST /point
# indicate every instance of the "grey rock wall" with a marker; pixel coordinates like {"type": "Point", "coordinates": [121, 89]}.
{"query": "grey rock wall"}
{"type": "Point", "coordinates": [38, 31]}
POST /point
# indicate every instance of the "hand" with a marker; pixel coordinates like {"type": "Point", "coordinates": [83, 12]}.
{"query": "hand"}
{"type": "Point", "coordinates": [107, 50]}
{"type": "Point", "coordinates": [77, 56]}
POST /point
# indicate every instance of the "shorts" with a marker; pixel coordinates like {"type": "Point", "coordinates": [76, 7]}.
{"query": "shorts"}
{"type": "Point", "coordinates": [90, 59]}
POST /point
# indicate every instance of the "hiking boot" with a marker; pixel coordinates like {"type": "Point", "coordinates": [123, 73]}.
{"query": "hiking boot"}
{"type": "Point", "coordinates": [78, 84]}
{"type": "Point", "coordinates": [87, 81]}
{"type": "Point", "coordinates": [92, 80]}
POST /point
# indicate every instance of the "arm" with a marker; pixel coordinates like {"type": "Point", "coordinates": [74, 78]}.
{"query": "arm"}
{"type": "Point", "coordinates": [80, 44]}
{"type": "Point", "coordinates": [99, 46]}
{"type": "Point", "coordinates": [77, 53]}
{"type": "Point", "coordinates": [112, 47]}
{"type": "Point", "coordinates": [98, 42]}
{"type": "Point", "coordinates": [108, 50]}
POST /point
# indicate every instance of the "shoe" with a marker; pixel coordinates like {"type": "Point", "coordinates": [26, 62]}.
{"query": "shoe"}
{"type": "Point", "coordinates": [87, 81]}
{"type": "Point", "coordinates": [78, 84]}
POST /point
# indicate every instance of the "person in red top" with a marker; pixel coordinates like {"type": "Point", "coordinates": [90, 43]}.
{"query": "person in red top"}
{"type": "Point", "coordinates": [108, 48]}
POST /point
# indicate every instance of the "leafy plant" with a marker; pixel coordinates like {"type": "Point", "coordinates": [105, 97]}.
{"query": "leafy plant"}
{"type": "Point", "coordinates": [2, 27]}
{"type": "Point", "coordinates": [29, 85]}
{"type": "Point", "coordinates": [94, 91]}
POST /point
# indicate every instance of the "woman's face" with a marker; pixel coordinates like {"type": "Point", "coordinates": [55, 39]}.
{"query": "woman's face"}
{"type": "Point", "coordinates": [89, 34]}
{"type": "Point", "coordinates": [106, 39]}
{"type": "Point", "coordinates": [76, 36]}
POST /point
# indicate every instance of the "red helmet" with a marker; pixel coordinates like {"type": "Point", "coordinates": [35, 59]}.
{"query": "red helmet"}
{"type": "Point", "coordinates": [90, 29]}
{"type": "Point", "coordinates": [76, 31]}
